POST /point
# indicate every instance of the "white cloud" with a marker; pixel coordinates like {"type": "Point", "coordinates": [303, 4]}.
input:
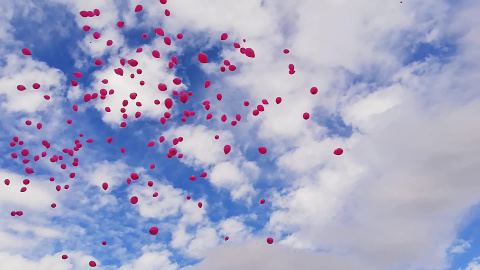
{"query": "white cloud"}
{"type": "Point", "coordinates": [22, 70]}
{"type": "Point", "coordinates": [112, 173]}
{"type": "Point", "coordinates": [152, 261]}
{"type": "Point", "coordinates": [474, 264]}
{"type": "Point", "coordinates": [76, 260]}
{"type": "Point", "coordinates": [199, 147]}
{"type": "Point", "coordinates": [236, 177]}
{"type": "Point", "coordinates": [460, 246]}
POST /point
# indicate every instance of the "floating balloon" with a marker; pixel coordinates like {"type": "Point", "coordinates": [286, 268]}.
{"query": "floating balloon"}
{"type": "Point", "coordinates": [270, 240]}
{"type": "Point", "coordinates": [134, 199]}
{"type": "Point", "coordinates": [153, 230]}
{"type": "Point", "coordinates": [203, 58]}
{"type": "Point", "coordinates": [26, 51]}
{"type": "Point", "coordinates": [226, 149]}
{"type": "Point", "coordinates": [338, 151]}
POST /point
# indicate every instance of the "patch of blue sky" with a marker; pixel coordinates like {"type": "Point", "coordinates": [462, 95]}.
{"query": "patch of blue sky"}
{"type": "Point", "coordinates": [468, 232]}
{"type": "Point", "coordinates": [51, 42]}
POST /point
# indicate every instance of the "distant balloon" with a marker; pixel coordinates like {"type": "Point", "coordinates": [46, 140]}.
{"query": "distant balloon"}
{"type": "Point", "coordinates": [153, 230]}
{"type": "Point", "coordinates": [338, 151]}
{"type": "Point", "coordinates": [203, 58]}
{"type": "Point", "coordinates": [270, 240]}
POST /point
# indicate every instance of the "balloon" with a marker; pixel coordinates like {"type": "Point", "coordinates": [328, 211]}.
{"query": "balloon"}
{"type": "Point", "coordinates": [262, 201]}
{"type": "Point", "coordinates": [250, 53]}
{"type": "Point", "coordinates": [120, 24]}
{"type": "Point", "coordinates": [26, 51]}
{"type": "Point", "coordinates": [207, 84]}
{"type": "Point", "coordinates": [224, 36]}
{"type": "Point", "coordinates": [270, 240]}
{"type": "Point", "coordinates": [262, 150]}
{"type": "Point", "coordinates": [167, 40]}
{"type": "Point", "coordinates": [338, 151]}
{"type": "Point", "coordinates": [226, 238]}
{"type": "Point", "coordinates": [226, 149]}
{"type": "Point", "coordinates": [134, 199]}
{"type": "Point", "coordinates": [153, 230]}
{"type": "Point", "coordinates": [134, 176]}
{"type": "Point", "coordinates": [313, 90]}
{"type": "Point", "coordinates": [203, 58]}
{"type": "Point", "coordinates": [92, 263]}
{"type": "Point", "coordinates": [200, 205]}
{"type": "Point", "coordinates": [104, 186]}
{"type": "Point", "coordinates": [306, 116]}
{"type": "Point", "coordinates": [138, 8]}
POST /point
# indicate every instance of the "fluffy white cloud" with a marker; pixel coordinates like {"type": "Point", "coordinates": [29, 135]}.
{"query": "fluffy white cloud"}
{"type": "Point", "coordinates": [23, 70]}
{"type": "Point", "coordinates": [474, 264]}
{"type": "Point", "coordinates": [199, 147]}
{"type": "Point", "coordinates": [151, 261]}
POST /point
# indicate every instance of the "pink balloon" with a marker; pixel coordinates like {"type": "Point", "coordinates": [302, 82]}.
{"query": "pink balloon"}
{"type": "Point", "coordinates": [338, 151]}
{"type": "Point", "coordinates": [203, 58]}
{"type": "Point", "coordinates": [153, 230]}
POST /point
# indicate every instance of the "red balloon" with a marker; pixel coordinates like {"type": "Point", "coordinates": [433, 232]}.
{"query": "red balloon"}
{"type": "Point", "coordinates": [226, 149]}
{"type": "Point", "coordinates": [250, 53]}
{"type": "Point", "coordinates": [200, 205]}
{"type": "Point", "coordinates": [179, 35]}
{"type": "Point", "coordinates": [168, 103]}
{"type": "Point", "coordinates": [167, 40]}
{"type": "Point", "coordinates": [120, 24]}
{"type": "Point", "coordinates": [64, 257]}
{"type": "Point", "coordinates": [153, 230]}
{"type": "Point", "coordinates": [286, 51]}
{"type": "Point", "coordinates": [104, 186]}
{"type": "Point", "coordinates": [224, 36]}
{"type": "Point", "coordinates": [270, 240]}
{"type": "Point", "coordinates": [104, 243]}
{"type": "Point", "coordinates": [203, 58]}
{"type": "Point", "coordinates": [313, 90]}
{"type": "Point", "coordinates": [26, 51]}
{"type": "Point", "coordinates": [262, 201]}
{"type": "Point", "coordinates": [207, 84]}
{"type": "Point", "coordinates": [306, 116]}
{"type": "Point", "coordinates": [92, 263]}
{"type": "Point", "coordinates": [138, 8]}
{"type": "Point", "coordinates": [134, 200]}
{"type": "Point", "coordinates": [226, 238]}
{"type": "Point", "coordinates": [262, 150]}
{"type": "Point", "coordinates": [278, 100]}
{"type": "Point", "coordinates": [134, 176]}
{"type": "Point", "coordinates": [96, 35]}
{"type": "Point", "coordinates": [338, 151]}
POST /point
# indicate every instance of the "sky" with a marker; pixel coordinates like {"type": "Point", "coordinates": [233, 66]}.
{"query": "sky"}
{"type": "Point", "coordinates": [397, 91]}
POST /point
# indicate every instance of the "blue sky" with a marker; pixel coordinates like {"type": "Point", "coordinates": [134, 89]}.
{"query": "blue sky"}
{"type": "Point", "coordinates": [397, 92]}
